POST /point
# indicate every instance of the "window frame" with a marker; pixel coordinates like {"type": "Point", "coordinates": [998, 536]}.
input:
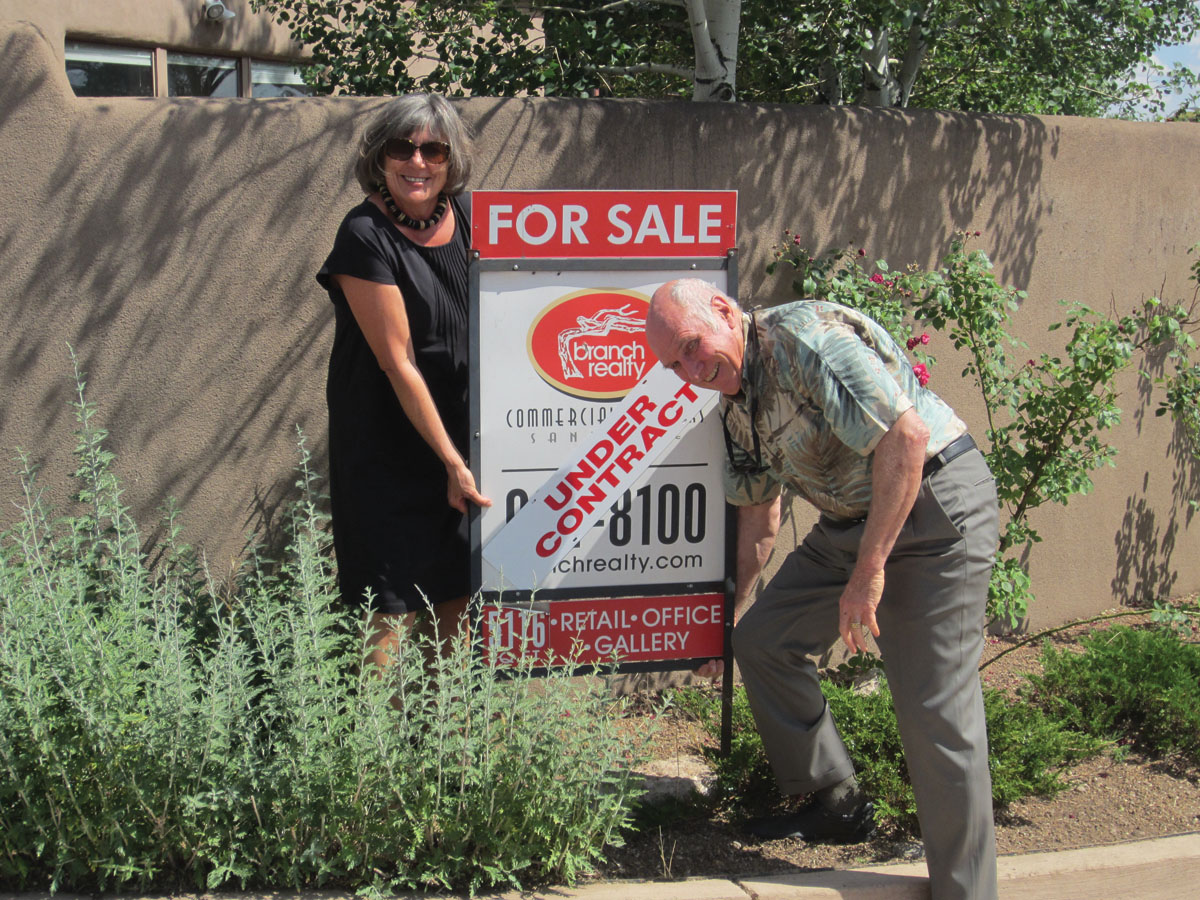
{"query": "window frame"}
{"type": "Point", "coordinates": [243, 65]}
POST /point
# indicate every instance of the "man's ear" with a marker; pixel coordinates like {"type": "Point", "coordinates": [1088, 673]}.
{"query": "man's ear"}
{"type": "Point", "coordinates": [724, 310]}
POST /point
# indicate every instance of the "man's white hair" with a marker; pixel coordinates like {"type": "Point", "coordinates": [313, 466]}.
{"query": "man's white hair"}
{"type": "Point", "coordinates": [694, 297]}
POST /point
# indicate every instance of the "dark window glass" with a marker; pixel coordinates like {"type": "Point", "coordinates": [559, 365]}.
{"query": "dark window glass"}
{"type": "Point", "coordinates": [201, 76]}
{"type": "Point", "coordinates": [277, 80]}
{"type": "Point", "coordinates": [96, 70]}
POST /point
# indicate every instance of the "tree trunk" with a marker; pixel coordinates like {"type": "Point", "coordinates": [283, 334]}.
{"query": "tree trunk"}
{"type": "Point", "coordinates": [918, 46]}
{"type": "Point", "coordinates": [714, 25]}
{"type": "Point", "coordinates": [879, 87]}
{"type": "Point", "coordinates": [830, 76]}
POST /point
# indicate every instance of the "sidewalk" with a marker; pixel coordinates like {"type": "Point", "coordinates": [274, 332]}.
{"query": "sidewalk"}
{"type": "Point", "coordinates": [1160, 869]}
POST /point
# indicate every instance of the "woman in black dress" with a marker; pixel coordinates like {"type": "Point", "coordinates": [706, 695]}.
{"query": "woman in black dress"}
{"type": "Point", "coordinates": [398, 373]}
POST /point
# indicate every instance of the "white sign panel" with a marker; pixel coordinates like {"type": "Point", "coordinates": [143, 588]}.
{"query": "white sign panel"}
{"type": "Point", "coordinates": [559, 352]}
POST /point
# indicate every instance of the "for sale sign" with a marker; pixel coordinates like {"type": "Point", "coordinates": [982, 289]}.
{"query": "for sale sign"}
{"type": "Point", "coordinates": [605, 469]}
{"type": "Point", "coordinates": [603, 224]}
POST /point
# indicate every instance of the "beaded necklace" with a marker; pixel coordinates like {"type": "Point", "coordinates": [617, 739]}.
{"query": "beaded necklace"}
{"type": "Point", "coordinates": [408, 221]}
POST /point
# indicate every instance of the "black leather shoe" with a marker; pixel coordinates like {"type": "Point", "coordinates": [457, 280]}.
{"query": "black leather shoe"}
{"type": "Point", "coordinates": [817, 825]}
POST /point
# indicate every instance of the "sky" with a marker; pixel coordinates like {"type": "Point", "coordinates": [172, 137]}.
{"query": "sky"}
{"type": "Point", "coordinates": [1188, 54]}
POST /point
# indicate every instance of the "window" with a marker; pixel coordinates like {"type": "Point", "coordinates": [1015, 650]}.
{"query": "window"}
{"type": "Point", "coordinates": [276, 80]}
{"type": "Point", "coordinates": [95, 70]}
{"type": "Point", "coordinates": [201, 76]}
{"type": "Point", "coordinates": [101, 70]}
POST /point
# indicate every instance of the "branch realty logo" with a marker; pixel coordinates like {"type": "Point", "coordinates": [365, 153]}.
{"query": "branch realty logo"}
{"type": "Point", "coordinates": [592, 343]}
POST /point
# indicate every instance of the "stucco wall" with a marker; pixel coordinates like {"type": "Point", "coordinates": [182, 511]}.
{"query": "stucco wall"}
{"type": "Point", "coordinates": [178, 24]}
{"type": "Point", "coordinates": [172, 243]}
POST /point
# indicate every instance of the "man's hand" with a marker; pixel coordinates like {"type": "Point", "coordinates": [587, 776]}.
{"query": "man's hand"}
{"type": "Point", "coordinates": [712, 670]}
{"type": "Point", "coordinates": [857, 608]}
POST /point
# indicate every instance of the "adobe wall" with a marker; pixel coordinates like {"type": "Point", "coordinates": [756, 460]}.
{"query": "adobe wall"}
{"type": "Point", "coordinates": [170, 23]}
{"type": "Point", "coordinates": [173, 243]}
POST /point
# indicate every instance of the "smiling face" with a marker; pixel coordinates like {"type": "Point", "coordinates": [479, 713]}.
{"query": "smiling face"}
{"type": "Point", "coordinates": [706, 353]}
{"type": "Point", "coordinates": [415, 183]}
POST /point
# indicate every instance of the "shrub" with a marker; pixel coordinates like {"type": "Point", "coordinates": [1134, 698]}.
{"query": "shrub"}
{"type": "Point", "coordinates": [157, 729]}
{"type": "Point", "coordinates": [1141, 686]}
{"type": "Point", "coordinates": [1046, 417]}
{"type": "Point", "coordinates": [1027, 751]}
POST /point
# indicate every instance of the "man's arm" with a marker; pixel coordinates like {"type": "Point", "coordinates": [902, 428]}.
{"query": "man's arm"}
{"type": "Point", "coordinates": [895, 481]}
{"type": "Point", "coordinates": [757, 527]}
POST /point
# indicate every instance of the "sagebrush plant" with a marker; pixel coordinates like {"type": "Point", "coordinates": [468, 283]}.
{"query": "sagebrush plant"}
{"type": "Point", "coordinates": [160, 730]}
{"type": "Point", "coordinates": [1046, 416]}
{"type": "Point", "coordinates": [1141, 687]}
{"type": "Point", "coordinates": [1028, 751]}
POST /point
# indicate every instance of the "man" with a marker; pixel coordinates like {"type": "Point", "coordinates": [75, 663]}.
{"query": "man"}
{"type": "Point", "coordinates": [820, 399]}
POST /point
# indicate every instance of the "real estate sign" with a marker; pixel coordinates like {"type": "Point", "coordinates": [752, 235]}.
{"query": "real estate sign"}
{"type": "Point", "coordinates": [607, 540]}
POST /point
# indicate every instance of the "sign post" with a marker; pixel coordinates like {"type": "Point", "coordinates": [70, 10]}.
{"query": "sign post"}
{"type": "Point", "coordinates": [609, 539]}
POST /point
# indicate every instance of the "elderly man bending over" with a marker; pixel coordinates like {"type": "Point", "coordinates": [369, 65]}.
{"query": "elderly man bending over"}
{"type": "Point", "coordinates": [819, 398]}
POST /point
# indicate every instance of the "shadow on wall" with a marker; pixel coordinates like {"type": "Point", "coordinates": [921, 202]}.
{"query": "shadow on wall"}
{"type": "Point", "coordinates": [1145, 545]}
{"type": "Point", "coordinates": [172, 244]}
{"type": "Point", "coordinates": [1147, 540]}
{"type": "Point", "coordinates": [897, 183]}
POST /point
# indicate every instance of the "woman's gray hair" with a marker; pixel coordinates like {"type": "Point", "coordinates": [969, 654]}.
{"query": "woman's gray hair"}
{"type": "Point", "coordinates": [405, 117]}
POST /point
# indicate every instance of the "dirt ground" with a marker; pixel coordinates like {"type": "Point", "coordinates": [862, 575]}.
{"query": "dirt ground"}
{"type": "Point", "coordinates": [1107, 801]}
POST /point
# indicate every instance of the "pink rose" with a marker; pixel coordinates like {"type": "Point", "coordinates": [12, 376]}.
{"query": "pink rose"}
{"type": "Point", "coordinates": [877, 278]}
{"type": "Point", "coordinates": [922, 374]}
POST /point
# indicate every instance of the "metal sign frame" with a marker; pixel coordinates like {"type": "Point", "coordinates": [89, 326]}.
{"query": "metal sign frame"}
{"type": "Point", "coordinates": [525, 598]}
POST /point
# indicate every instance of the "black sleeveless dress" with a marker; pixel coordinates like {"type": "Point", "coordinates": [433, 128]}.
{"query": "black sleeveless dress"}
{"type": "Point", "coordinates": [393, 531]}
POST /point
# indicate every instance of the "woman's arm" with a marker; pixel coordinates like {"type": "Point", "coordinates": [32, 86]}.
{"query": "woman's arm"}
{"type": "Point", "coordinates": [380, 313]}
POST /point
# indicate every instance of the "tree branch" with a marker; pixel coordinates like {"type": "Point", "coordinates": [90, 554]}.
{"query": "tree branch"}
{"type": "Point", "coordinates": [642, 68]}
{"type": "Point", "coordinates": [1056, 629]}
{"type": "Point", "coordinates": [616, 4]}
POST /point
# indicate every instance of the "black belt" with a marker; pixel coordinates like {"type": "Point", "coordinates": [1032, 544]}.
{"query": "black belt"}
{"type": "Point", "coordinates": [952, 450]}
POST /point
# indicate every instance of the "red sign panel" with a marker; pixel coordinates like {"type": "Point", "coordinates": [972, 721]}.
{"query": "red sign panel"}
{"type": "Point", "coordinates": [593, 224]}
{"type": "Point", "coordinates": [631, 629]}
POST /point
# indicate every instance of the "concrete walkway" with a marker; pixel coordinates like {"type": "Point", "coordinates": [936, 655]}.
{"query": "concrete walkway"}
{"type": "Point", "coordinates": [1161, 869]}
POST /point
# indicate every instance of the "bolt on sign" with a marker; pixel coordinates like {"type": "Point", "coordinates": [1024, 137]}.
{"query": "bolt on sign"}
{"type": "Point", "coordinates": [607, 540]}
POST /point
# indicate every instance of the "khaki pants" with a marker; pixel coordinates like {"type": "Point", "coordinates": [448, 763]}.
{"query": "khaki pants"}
{"type": "Point", "coordinates": [931, 622]}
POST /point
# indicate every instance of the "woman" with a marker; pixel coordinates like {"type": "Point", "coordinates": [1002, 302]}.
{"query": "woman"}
{"type": "Point", "coordinates": [398, 374]}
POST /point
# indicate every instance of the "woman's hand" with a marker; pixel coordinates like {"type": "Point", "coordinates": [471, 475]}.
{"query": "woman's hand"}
{"type": "Point", "coordinates": [461, 488]}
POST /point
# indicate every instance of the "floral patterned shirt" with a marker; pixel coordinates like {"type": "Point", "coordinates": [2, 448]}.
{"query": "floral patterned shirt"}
{"type": "Point", "coordinates": [824, 384]}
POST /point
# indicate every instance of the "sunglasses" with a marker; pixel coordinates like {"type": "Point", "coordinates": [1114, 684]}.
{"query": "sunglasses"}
{"type": "Point", "coordinates": [433, 152]}
{"type": "Point", "coordinates": [741, 460]}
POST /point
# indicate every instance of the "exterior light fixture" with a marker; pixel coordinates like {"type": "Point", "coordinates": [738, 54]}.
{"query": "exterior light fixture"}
{"type": "Point", "coordinates": [217, 11]}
